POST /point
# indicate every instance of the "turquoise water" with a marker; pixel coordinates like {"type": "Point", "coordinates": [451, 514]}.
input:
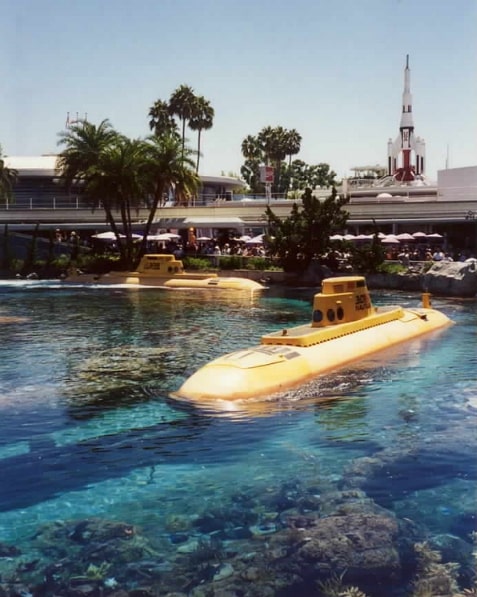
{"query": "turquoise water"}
{"type": "Point", "coordinates": [87, 430]}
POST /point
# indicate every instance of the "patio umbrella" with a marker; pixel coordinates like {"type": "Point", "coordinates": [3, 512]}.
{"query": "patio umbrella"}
{"type": "Point", "coordinates": [203, 239]}
{"type": "Point", "coordinates": [244, 238]}
{"type": "Point", "coordinates": [405, 237]}
{"type": "Point", "coordinates": [165, 236]}
{"type": "Point", "coordinates": [349, 237]}
{"type": "Point", "coordinates": [337, 237]}
{"type": "Point", "coordinates": [256, 240]}
{"type": "Point", "coordinates": [111, 237]}
{"type": "Point", "coordinates": [390, 239]}
{"type": "Point", "coordinates": [435, 235]}
{"type": "Point", "coordinates": [419, 235]}
{"type": "Point", "coordinates": [107, 236]}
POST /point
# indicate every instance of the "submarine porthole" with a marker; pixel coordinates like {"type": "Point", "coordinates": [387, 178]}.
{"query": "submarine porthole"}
{"type": "Point", "coordinates": [317, 315]}
{"type": "Point", "coordinates": [340, 313]}
{"type": "Point", "coordinates": [330, 314]}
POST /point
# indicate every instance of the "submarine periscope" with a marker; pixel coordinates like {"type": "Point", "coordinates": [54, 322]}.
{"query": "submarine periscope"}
{"type": "Point", "coordinates": [345, 327]}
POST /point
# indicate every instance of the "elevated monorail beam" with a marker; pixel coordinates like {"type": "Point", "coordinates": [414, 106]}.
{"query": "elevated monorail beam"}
{"type": "Point", "coordinates": [252, 214]}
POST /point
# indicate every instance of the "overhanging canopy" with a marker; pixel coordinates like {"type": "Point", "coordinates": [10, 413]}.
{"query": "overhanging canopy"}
{"type": "Point", "coordinates": [201, 222]}
{"type": "Point", "coordinates": [214, 222]}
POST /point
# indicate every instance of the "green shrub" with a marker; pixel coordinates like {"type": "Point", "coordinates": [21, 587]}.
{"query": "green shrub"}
{"type": "Point", "coordinates": [229, 262]}
{"type": "Point", "coordinates": [258, 263]}
{"type": "Point", "coordinates": [197, 264]}
{"type": "Point", "coordinates": [391, 268]}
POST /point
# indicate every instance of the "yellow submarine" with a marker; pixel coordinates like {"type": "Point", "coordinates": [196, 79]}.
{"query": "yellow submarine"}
{"type": "Point", "coordinates": [166, 271]}
{"type": "Point", "coordinates": [345, 327]}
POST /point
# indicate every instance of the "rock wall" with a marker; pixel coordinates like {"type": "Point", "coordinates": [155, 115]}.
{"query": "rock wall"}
{"type": "Point", "coordinates": [444, 278]}
{"type": "Point", "coordinates": [452, 278]}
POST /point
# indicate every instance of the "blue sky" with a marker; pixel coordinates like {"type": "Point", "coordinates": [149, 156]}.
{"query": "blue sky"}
{"type": "Point", "coordinates": [331, 69]}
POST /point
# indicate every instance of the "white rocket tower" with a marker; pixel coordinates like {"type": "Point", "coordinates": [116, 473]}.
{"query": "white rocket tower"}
{"type": "Point", "coordinates": [406, 146]}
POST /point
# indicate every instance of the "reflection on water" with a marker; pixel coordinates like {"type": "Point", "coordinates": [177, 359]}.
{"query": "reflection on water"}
{"type": "Point", "coordinates": [131, 490]}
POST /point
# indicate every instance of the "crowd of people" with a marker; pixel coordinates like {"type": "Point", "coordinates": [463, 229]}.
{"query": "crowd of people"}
{"type": "Point", "coordinates": [407, 254]}
{"type": "Point", "coordinates": [215, 248]}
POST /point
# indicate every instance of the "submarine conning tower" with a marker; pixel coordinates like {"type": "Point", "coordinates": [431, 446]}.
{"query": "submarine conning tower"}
{"type": "Point", "coordinates": [341, 300]}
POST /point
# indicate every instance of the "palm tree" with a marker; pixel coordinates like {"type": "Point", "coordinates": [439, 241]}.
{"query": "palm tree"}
{"type": "Point", "coordinates": [181, 104]}
{"type": "Point", "coordinates": [119, 180]}
{"type": "Point", "coordinates": [273, 143]}
{"type": "Point", "coordinates": [266, 140]}
{"type": "Point", "coordinates": [167, 168]}
{"type": "Point", "coordinates": [119, 174]}
{"type": "Point", "coordinates": [251, 148]}
{"type": "Point", "coordinates": [292, 144]}
{"type": "Point", "coordinates": [202, 119]}
{"type": "Point", "coordinates": [84, 143]}
{"type": "Point", "coordinates": [109, 169]}
{"type": "Point", "coordinates": [8, 178]}
{"type": "Point", "coordinates": [161, 122]}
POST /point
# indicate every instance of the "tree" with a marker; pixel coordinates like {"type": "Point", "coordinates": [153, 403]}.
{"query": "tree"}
{"type": "Point", "coordinates": [292, 144]}
{"type": "Point", "coordinates": [182, 104]}
{"type": "Point", "coordinates": [119, 174]}
{"type": "Point", "coordinates": [251, 148]}
{"type": "Point", "coordinates": [305, 234]}
{"type": "Point", "coordinates": [161, 122]}
{"type": "Point", "coordinates": [303, 175]}
{"type": "Point", "coordinates": [202, 119]}
{"type": "Point", "coordinates": [109, 169]}
{"type": "Point", "coordinates": [270, 147]}
{"type": "Point", "coordinates": [8, 178]}
{"type": "Point", "coordinates": [84, 142]}
{"type": "Point", "coordinates": [119, 181]}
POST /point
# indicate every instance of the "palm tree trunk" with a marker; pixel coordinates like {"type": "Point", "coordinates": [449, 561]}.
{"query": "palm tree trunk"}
{"type": "Point", "coordinates": [198, 152]}
{"type": "Point", "coordinates": [150, 220]}
{"type": "Point", "coordinates": [183, 136]}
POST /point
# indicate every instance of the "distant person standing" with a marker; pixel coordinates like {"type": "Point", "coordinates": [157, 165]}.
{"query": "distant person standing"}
{"type": "Point", "coordinates": [217, 253]}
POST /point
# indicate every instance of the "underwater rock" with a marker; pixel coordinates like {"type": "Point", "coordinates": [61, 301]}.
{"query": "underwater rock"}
{"type": "Point", "coordinates": [189, 547]}
{"type": "Point", "coordinates": [392, 474]}
{"type": "Point", "coordinates": [8, 551]}
{"type": "Point", "coordinates": [124, 369]}
{"type": "Point", "coordinates": [223, 571]}
{"type": "Point", "coordinates": [93, 552]}
{"type": "Point", "coordinates": [451, 548]}
{"type": "Point", "coordinates": [97, 529]}
{"type": "Point", "coordinates": [363, 544]}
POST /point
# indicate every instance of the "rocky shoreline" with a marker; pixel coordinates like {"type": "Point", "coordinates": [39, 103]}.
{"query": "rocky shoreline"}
{"type": "Point", "coordinates": [451, 279]}
{"type": "Point", "coordinates": [447, 279]}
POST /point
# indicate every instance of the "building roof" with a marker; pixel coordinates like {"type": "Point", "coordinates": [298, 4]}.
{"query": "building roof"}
{"type": "Point", "coordinates": [44, 165]}
{"type": "Point", "coordinates": [39, 165]}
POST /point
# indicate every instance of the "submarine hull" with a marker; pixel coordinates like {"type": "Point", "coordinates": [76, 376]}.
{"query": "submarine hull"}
{"type": "Point", "coordinates": [285, 361]}
{"type": "Point", "coordinates": [178, 281]}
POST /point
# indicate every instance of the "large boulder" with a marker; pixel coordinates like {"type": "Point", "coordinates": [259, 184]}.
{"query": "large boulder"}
{"type": "Point", "coordinates": [450, 278]}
